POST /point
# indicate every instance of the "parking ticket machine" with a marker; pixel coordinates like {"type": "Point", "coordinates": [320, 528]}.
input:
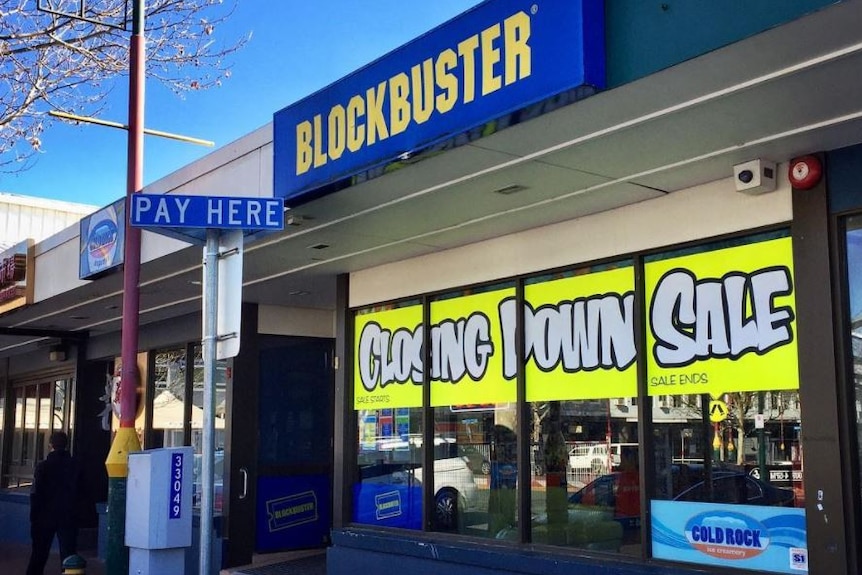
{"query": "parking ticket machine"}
{"type": "Point", "coordinates": [159, 510]}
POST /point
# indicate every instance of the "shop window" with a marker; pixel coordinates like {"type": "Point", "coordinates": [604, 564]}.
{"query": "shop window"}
{"type": "Point", "coordinates": [473, 393]}
{"type": "Point", "coordinates": [722, 369]}
{"type": "Point", "coordinates": [581, 386]}
{"type": "Point", "coordinates": [220, 398]}
{"type": "Point", "coordinates": [387, 489]}
{"type": "Point", "coordinates": [475, 470]}
{"type": "Point", "coordinates": [31, 413]}
{"type": "Point", "coordinates": [169, 385]}
{"type": "Point", "coordinates": [2, 422]}
{"type": "Point", "coordinates": [720, 398]}
{"type": "Point", "coordinates": [45, 415]}
{"type": "Point", "coordinates": [60, 404]}
{"type": "Point", "coordinates": [40, 408]}
{"type": "Point", "coordinates": [18, 427]}
{"type": "Point", "coordinates": [178, 409]}
{"type": "Point", "coordinates": [854, 321]}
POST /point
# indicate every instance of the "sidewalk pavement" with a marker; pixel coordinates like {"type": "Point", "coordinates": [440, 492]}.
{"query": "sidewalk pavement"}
{"type": "Point", "coordinates": [14, 557]}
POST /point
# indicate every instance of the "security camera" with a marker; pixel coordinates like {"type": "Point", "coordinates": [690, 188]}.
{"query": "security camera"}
{"type": "Point", "coordinates": [755, 177]}
{"type": "Point", "coordinates": [745, 176]}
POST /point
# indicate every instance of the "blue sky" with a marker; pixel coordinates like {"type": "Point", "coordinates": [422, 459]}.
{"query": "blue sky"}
{"type": "Point", "coordinates": [296, 49]}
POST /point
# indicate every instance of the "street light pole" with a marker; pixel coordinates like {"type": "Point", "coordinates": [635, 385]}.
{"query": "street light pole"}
{"type": "Point", "coordinates": [126, 439]}
{"type": "Point", "coordinates": [210, 325]}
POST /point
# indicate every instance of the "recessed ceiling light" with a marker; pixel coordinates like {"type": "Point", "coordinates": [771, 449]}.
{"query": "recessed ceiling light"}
{"type": "Point", "coordinates": [511, 189]}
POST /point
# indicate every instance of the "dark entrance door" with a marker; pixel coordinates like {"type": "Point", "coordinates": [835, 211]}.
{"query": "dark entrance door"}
{"type": "Point", "coordinates": [293, 502]}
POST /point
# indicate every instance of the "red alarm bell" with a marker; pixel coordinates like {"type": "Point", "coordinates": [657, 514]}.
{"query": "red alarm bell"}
{"type": "Point", "coordinates": [805, 172]}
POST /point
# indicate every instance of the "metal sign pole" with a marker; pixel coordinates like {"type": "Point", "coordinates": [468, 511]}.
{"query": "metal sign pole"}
{"type": "Point", "coordinates": [225, 220]}
{"type": "Point", "coordinates": [210, 323]}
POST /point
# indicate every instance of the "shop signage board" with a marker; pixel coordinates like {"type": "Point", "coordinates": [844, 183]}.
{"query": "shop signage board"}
{"type": "Point", "coordinates": [102, 241]}
{"type": "Point", "coordinates": [499, 57]}
{"type": "Point", "coordinates": [752, 537]}
{"type": "Point", "coordinates": [16, 276]}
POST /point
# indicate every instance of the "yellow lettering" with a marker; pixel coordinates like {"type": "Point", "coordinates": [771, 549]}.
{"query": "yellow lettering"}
{"type": "Point", "coordinates": [355, 131]}
{"type": "Point", "coordinates": [399, 105]}
{"type": "Point", "coordinates": [303, 147]}
{"type": "Point", "coordinates": [467, 51]}
{"type": "Point", "coordinates": [336, 132]}
{"type": "Point", "coordinates": [518, 53]}
{"type": "Point", "coordinates": [446, 80]}
{"type": "Point", "coordinates": [376, 121]}
{"type": "Point", "coordinates": [319, 154]}
{"type": "Point", "coordinates": [422, 89]}
{"type": "Point", "coordinates": [490, 58]}
{"type": "Point", "coordinates": [500, 55]}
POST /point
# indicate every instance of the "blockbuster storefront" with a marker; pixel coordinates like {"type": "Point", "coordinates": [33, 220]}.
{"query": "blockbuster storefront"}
{"type": "Point", "coordinates": [571, 286]}
{"type": "Point", "coordinates": [617, 332]}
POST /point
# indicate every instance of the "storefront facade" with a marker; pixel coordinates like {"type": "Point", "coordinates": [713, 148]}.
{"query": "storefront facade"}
{"type": "Point", "coordinates": [520, 254]}
{"type": "Point", "coordinates": [638, 382]}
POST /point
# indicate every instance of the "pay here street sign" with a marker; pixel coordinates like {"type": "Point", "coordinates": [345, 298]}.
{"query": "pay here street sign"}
{"type": "Point", "coordinates": [206, 212]}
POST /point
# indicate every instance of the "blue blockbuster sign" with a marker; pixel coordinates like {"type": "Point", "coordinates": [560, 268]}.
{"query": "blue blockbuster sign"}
{"type": "Point", "coordinates": [206, 212]}
{"type": "Point", "coordinates": [490, 61]}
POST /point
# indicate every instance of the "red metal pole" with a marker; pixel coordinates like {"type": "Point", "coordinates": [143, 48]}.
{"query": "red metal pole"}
{"type": "Point", "coordinates": [126, 438]}
{"type": "Point", "coordinates": [132, 256]}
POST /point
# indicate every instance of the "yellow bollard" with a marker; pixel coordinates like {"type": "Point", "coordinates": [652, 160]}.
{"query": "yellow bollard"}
{"type": "Point", "coordinates": [74, 565]}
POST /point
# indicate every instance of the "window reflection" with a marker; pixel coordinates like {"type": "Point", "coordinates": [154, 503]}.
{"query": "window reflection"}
{"type": "Point", "coordinates": [39, 409]}
{"type": "Point", "coordinates": [476, 470]}
{"type": "Point", "coordinates": [171, 414]}
{"type": "Point", "coordinates": [752, 457]}
{"type": "Point", "coordinates": [387, 486]}
{"type": "Point", "coordinates": [854, 281]}
{"type": "Point", "coordinates": [2, 422]}
{"type": "Point", "coordinates": [169, 398]}
{"type": "Point", "coordinates": [585, 474]}
{"type": "Point", "coordinates": [581, 379]}
{"type": "Point", "coordinates": [388, 489]}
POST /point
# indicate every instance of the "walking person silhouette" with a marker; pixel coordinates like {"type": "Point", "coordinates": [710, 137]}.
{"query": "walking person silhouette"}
{"type": "Point", "coordinates": [53, 501]}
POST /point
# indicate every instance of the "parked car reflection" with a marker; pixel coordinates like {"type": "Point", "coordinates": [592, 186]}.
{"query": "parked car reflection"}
{"type": "Point", "coordinates": [476, 461]}
{"type": "Point", "coordinates": [615, 497]}
{"type": "Point", "coordinates": [394, 476]}
{"type": "Point", "coordinates": [735, 487]}
{"type": "Point", "coordinates": [613, 491]}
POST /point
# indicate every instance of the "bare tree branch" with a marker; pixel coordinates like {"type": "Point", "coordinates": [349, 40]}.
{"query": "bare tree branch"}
{"type": "Point", "coordinates": [53, 62]}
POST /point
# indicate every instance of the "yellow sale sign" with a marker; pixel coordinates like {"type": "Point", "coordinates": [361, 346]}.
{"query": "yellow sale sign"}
{"type": "Point", "coordinates": [722, 321]}
{"type": "Point", "coordinates": [579, 334]}
{"type": "Point", "coordinates": [468, 343]}
{"type": "Point", "coordinates": [387, 363]}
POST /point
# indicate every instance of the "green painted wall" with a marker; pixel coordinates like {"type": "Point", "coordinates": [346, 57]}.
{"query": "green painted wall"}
{"type": "Point", "coordinates": [645, 36]}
